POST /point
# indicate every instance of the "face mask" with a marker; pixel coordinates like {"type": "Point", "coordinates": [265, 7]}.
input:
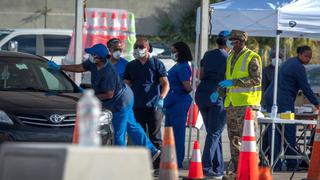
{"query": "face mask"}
{"type": "Point", "coordinates": [91, 58]}
{"type": "Point", "coordinates": [229, 44]}
{"type": "Point", "coordinates": [139, 53]}
{"type": "Point", "coordinates": [174, 56]}
{"type": "Point", "coordinates": [116, 54]}
{"type": "Point", "coordinates": [273, 62]}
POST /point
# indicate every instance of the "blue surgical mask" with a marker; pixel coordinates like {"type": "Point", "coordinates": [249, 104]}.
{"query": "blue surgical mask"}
{"type": "Point", "coordinates": [91, 58]}
{"type": "Point", "coordinates": [229, 44]}
{"type": "Point", "coordinates": [174, 56]}
{"type": "Point", "coordinates": [139, 53]}
{"type": "Point", "coordinates": [273, 62]}
{"type": "Point", "coordinates": [116, 54]}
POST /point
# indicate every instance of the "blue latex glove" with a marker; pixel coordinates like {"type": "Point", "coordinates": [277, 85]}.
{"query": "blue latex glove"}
{"type": "Point", "coordinates": [53, 65]}
{"type": "Point", "coordinates": [81, 89]}
{"type": "Point", "coordinates": [214, 97]}
{"type": "Point", "coordinates": [226, 83]}
{"type": "Point", "coordinates": [159, 103]}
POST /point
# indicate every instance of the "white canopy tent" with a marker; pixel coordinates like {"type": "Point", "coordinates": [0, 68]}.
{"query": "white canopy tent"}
{"type": "Point", "coordinates": [295, 18]}
{"type": "Point", "coordinates": [266, 18]}
{"type": "Point", "coordinates": [304, 15]}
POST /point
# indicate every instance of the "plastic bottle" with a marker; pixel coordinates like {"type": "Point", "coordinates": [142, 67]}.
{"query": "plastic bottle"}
{"type": "Point", "coordinates": [89, 109]}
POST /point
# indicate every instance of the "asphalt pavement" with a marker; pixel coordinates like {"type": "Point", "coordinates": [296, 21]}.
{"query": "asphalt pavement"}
{"type": "Point", "coordinates": [285, 175]}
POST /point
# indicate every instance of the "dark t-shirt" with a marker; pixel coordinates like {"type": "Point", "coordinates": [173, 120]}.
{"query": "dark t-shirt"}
{"type": "Point", "coordinates": [107, 79]}
{"type": "Point", "coordinates": [214, 69]}
{"type": "Point", "coordinates": [144, 80]}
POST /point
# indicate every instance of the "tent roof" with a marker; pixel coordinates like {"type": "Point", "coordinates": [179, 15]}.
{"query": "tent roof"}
{"type": "Point", "coordinates": [301, 18]}
{"type": "Point", "coordinates": [250, 4]}
{"type": "Point", "coordinates": [265, 17]}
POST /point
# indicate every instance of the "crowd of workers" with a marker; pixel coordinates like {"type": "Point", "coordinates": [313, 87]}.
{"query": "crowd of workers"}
{"type": "Point", "coordinates": [141, 91]}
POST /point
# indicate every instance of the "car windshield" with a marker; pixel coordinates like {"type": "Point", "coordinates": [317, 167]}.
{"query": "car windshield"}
{"type": "Point", "coordinates": [18, 74]}
{"type": "Point", "coordinates": [313, 76]}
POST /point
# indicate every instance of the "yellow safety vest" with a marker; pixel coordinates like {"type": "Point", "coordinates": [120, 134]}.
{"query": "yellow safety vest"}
{"type": "Point", "coordinates": [238, 96]}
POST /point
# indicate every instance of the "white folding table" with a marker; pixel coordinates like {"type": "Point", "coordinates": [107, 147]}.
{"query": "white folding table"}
{"type": "Point", "coordinates": [300, 154]}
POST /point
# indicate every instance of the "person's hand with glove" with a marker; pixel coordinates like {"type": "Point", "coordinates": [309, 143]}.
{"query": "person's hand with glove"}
{"type": "Point", "coordinates": [159, 103]}
{"type": "Point", "coordinates": [214, 97]}
{"type": "Point", "coordinates": [226, 83]}
{"type": "Point", "coordinates": [54, 66]}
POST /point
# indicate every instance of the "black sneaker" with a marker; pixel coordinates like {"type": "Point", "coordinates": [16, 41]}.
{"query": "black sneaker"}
{"type": "Point", "coordinates": [156, 155]}
{"type": "Point", "coordinates": [156, 160]}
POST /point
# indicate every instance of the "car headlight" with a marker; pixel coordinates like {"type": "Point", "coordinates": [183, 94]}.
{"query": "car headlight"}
{"type": "Point", "coordinates": [4, 118]}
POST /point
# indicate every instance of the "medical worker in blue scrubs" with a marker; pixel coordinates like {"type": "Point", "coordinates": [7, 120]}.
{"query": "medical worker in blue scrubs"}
{"type": "Point", "coordinates": [178, 100]}
{"type": "Point", "coordinates": [115, 47]}
{"type": "Point", "coordinates": [212, 71]}
{"type": "Point", "coordinates": [114, 95]}
{"type": "Point", "coordinates": [292, 78]}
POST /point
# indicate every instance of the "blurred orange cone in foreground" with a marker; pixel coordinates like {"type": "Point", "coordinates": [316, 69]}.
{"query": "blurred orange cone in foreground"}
{"type": "Point", "coordinates": [264, 173]}
{"type": "Point", "coordinates": [248, 158]}
{"type": "Point", "coordinates": [75, 137]}
{"type": "Point", "coordinates": [195, 168]}
{"type": "Point", "coordinates": [314, 168]}
{"type": "Point", "coordinates": [168, 161]}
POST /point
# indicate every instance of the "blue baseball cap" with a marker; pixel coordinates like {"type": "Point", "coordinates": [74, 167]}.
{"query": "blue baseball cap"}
{"type": "Point", "coordinates": [98, 50]}
{"type": "Point", "coordinates": [224, 34]}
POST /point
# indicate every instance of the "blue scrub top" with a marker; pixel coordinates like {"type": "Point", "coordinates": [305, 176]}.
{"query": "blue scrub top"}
{"type": "Point", "coordinates": [120, 66]}
{"type": "Point", "coordinates": [179, 73]}
{"type": "Point", "coordinates": [144, 80]}
{"type": "Point", "coordinates": [292, 78]}
{"type": "Point", "coordinates": [107, 79]}
{"type": "Point", "coordinates": [214, 64]}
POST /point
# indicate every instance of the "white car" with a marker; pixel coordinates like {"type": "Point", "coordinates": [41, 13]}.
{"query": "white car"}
{"type": "Point", "coordinates": [53, 44]}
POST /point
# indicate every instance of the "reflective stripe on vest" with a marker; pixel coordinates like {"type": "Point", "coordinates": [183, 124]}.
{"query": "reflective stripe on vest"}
{"type": "Point", "coordinates": [238, 96]}
{"type": "Point", "coordinates": [237, 90]}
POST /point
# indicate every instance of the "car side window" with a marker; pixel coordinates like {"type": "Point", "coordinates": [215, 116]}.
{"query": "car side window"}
{"type": "Point", "coordinates": [56, 45]}
{"type": "Point", "coordinates": [26, 43]}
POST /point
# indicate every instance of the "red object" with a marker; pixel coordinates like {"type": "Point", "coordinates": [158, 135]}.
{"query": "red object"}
{"type": "Point", "coordinates": [113, 15]}
{"type": "Point", "coordinates": [264, 173]}
{"type": "Point", "coordinates": [75, 136]}
{"type": "Point", "coordinates": [248, 158]}
{"type": "Point", "coordinates": [314, 168]}
{"type": "Point", "coordinates": [195, 168]}
{"type": "Point", "coordinates": [195, 115]}
{"type": "Point", "coordinates": [104, 14]}
{"type": "Point", "coordinates": [94, 14]}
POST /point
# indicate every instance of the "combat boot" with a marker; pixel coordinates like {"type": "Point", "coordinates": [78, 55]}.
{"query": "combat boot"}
{"type": "Point", "coordinates": [231, 176]}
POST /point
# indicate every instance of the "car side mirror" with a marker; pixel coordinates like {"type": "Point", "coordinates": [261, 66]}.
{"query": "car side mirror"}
{"type": "Point", "coordinates": [85, 86]}
{"type": "Point", "coordinates": [13, 46]}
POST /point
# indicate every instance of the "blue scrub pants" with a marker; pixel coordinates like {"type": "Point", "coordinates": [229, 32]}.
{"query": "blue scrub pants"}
{"type": "Point", "coordinates": [124, 121]}
{"type": "Point", "coordinates": [176, 116]}
{"type": "Point", "coordinates": [214, 118]}
{"type": "Point", "coordinates": [290, 135]}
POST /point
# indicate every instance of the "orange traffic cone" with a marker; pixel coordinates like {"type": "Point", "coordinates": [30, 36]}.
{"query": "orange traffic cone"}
{"type": "Point", "coordinates": [195, 168]}
{"type": "Point", "coordinates": [248, 158]}
{"type": "Point", "coordinates": [168, 160]}
{"type": "Point", "coordinates": [314, 168]}
{"type": "Point", "coordinates": [75, 136]}
{"type": "Point", "coordinates": [264, 173]}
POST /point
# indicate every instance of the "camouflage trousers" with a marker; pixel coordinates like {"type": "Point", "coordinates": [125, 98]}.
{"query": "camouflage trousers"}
{"type": "Point", "coordinates": [235, 121]}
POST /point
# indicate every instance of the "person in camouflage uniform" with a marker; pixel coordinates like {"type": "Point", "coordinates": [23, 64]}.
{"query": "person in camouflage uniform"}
{"type": "Point", "coordinates": [241, 89]}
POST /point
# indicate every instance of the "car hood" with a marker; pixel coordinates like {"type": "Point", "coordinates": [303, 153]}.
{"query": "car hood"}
{"type": "Point", "coordinates": [17, 101]}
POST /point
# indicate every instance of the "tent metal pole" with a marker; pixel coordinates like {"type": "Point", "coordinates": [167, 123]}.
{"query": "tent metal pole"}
{"type": "Point", "coordinates": [78, 38]}
{"type": "Point", "coordinates": [274, 110]}
{"type": "Point", "coordinates": [194, 67]}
